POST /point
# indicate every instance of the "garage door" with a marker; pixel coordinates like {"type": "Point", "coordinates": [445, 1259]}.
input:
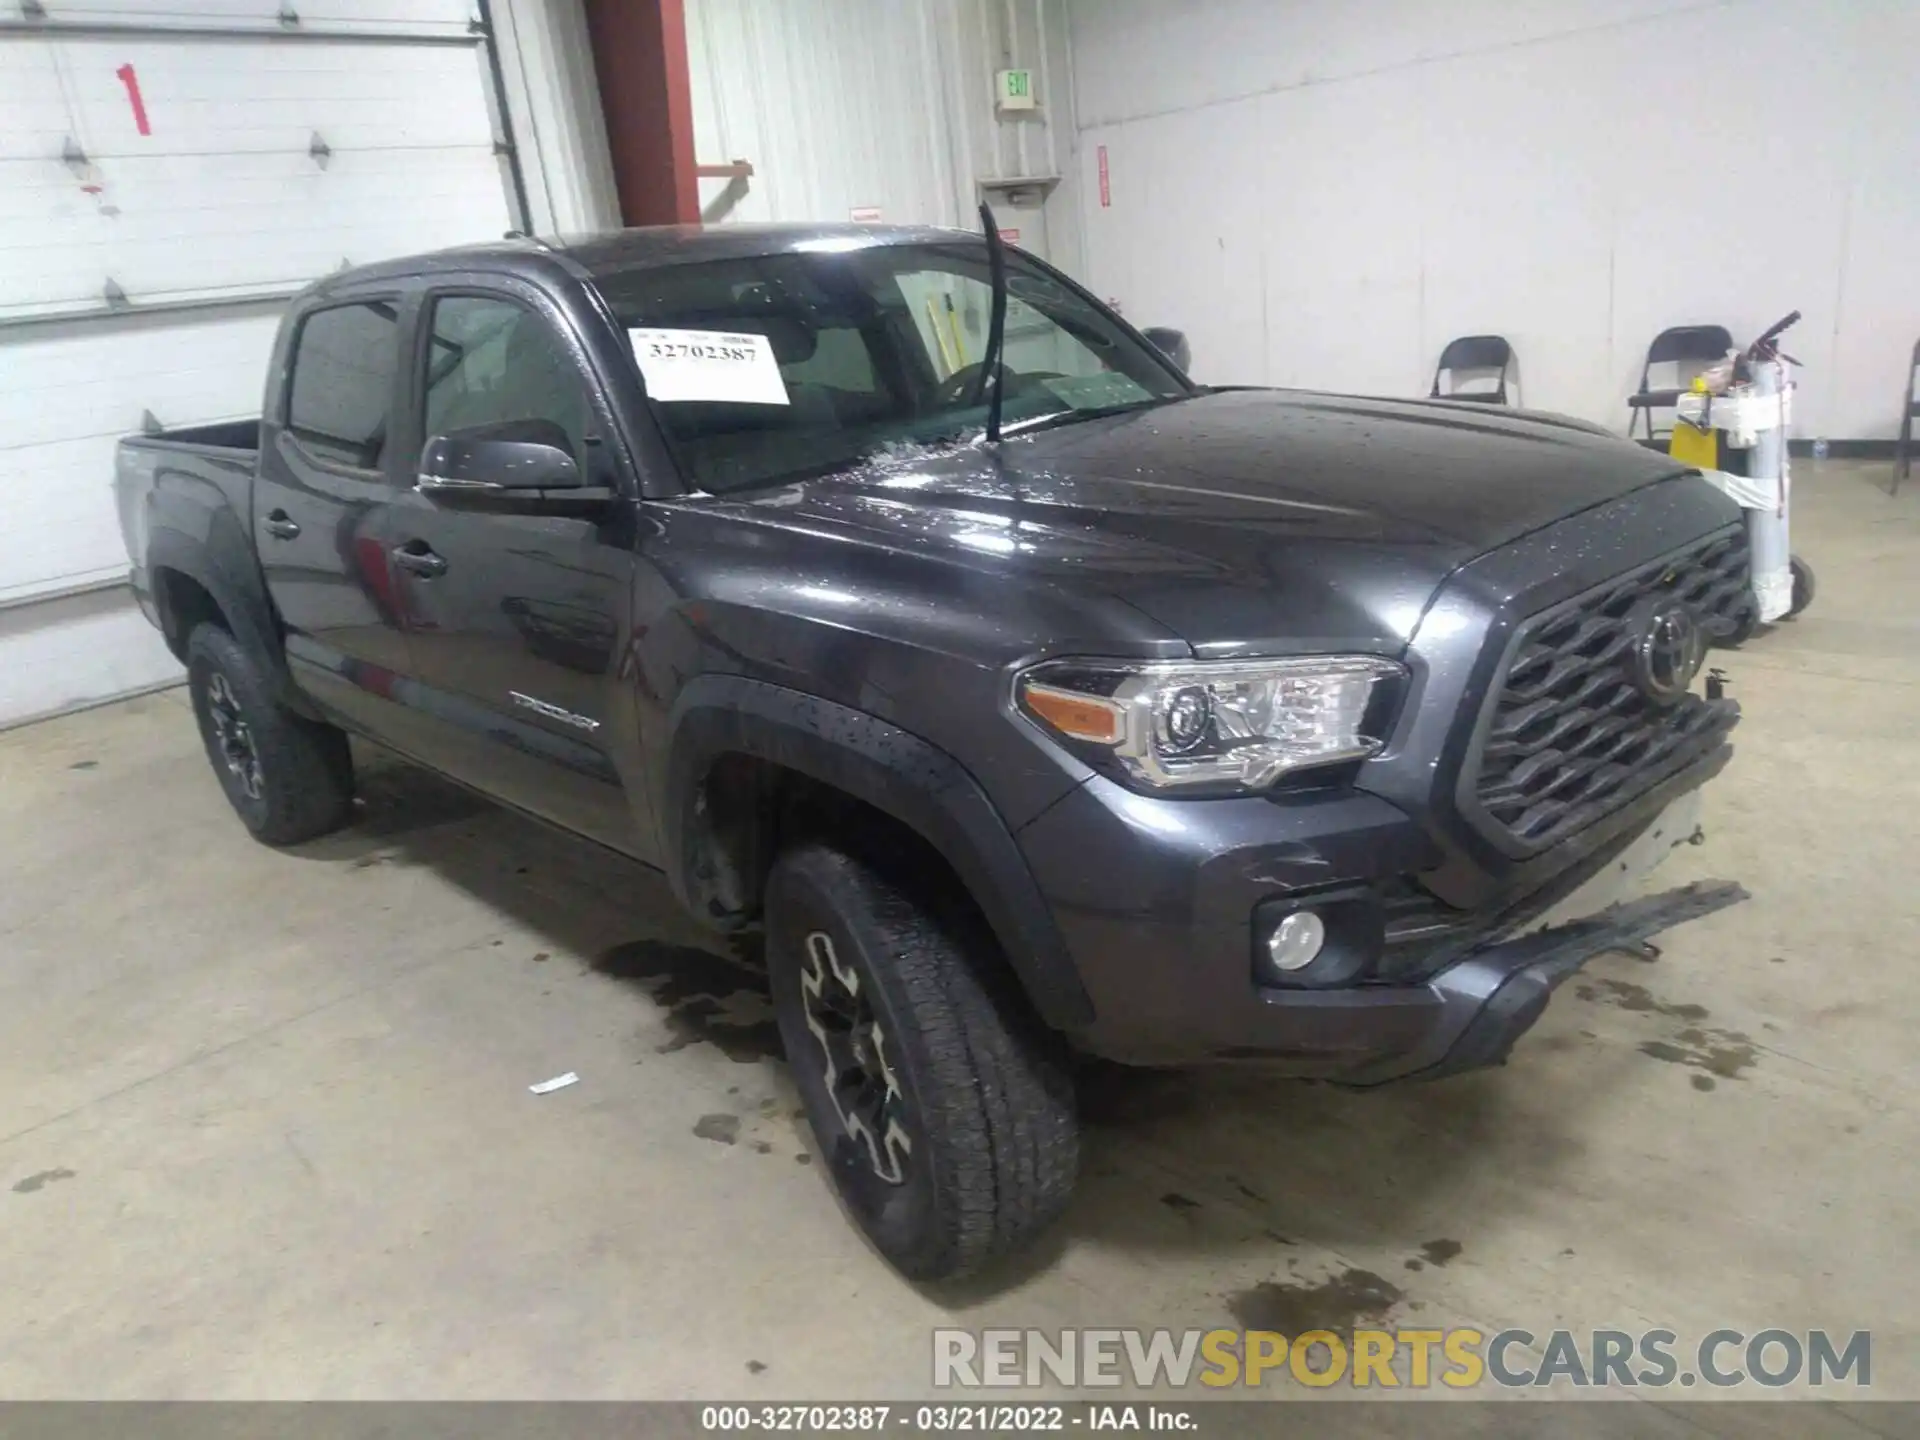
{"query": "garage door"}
{"type": "Point", "coordinates": [171, 170]}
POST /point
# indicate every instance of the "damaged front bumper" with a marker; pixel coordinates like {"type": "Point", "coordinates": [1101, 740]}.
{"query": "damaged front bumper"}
{"type": "Point", "coordinates": [1491, 997]}
{"type": "Point", "coordinates": [1163, 909]}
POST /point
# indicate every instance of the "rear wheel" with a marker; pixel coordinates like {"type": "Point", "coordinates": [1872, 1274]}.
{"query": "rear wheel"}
{"type": "Point", "coordinates": [287, 777]}
{"type": "Point", "coordinates": [943, 1108]}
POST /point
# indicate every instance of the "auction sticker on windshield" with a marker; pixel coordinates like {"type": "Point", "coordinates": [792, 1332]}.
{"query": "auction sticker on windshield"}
{"type": "Point", "coordinates": [681, 365]}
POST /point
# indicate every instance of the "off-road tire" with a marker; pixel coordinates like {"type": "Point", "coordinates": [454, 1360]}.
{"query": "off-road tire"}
{"type": "Point", "coordinates": [305, 767]}
{"type": "Point", "coordinates": [986, 1090]}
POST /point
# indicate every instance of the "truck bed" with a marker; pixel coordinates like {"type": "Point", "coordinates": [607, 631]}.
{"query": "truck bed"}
{"type": "Point", "coordinates": [194, 481]}
{"type": "Point", "coordinates": [222, 435]}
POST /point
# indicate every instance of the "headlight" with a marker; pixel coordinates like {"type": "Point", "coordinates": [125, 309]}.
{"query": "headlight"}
{"type": "Point", "coordinates": [1227, 725]}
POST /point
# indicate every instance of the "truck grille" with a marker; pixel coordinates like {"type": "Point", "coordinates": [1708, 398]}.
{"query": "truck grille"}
{"type": "Point", "coordinates": [1571, 735]}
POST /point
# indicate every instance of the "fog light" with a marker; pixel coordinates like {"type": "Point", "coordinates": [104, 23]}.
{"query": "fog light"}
{"type": "Point", "coordinates": [1296, 940]}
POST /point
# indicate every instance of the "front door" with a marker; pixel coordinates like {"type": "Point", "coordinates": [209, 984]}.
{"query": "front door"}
{"type": "Point", "coordinates": [327, 478]}
{"type": "Point", "coordinates": [518, 623]}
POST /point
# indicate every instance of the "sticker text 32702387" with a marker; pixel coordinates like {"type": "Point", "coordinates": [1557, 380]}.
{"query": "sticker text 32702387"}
{"type": "Point", "coordinates": [708, 365]}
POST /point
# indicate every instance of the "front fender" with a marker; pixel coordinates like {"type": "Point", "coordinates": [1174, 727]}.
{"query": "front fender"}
{"type": "Point", "coordinates": [897, 773]}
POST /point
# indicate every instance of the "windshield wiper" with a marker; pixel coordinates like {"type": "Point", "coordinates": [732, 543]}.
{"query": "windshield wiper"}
{"type": "Point", "coordinates": [1054, 418]}
{"type": "Point", "coordinates": [990, 364]}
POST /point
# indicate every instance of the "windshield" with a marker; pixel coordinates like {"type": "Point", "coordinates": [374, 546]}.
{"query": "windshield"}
{"type": "Point", "coordinates": [772, 367]}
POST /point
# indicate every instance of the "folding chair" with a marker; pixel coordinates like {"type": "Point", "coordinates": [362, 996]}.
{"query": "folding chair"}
{"type": "Point", "coordinates": [1478, 354]}
{"type": "Point", "coordinates": [1903, 448]}
{"type": "Point", "coordinates": [1689, 349]}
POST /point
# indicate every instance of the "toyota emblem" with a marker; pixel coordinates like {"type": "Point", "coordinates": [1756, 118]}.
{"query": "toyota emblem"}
{"type": "Point", "coordinates": [1668, 654]}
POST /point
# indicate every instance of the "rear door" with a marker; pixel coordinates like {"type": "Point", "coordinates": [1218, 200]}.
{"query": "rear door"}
{"type": "Point", "coordinates": [328, 477]}
{"type": "Point", "coordinates": [518, 624]}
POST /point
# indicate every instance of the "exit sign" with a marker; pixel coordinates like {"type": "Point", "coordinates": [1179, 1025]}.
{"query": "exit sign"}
{"type": "Point", "coordinates": [1014, 89]}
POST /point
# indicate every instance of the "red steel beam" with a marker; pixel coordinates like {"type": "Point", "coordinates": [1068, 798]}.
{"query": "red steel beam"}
{"type": "Point", "coordinates": [640, 59]}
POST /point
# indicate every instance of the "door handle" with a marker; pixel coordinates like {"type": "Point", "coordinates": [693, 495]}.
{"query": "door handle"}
{"type": "Point", "coordinates": [417, 558]}
{"type": "Point", "coordinates": [280, 525]}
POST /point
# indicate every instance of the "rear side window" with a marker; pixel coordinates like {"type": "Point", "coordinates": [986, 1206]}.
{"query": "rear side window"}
{"type": "Point", "coordinates": [341, 399]}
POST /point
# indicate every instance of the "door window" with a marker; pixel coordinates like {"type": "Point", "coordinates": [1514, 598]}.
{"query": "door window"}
{"type": "Point", "coordinates": [491, 362]}
{"type": "Point", "coordinates": [341, 397]}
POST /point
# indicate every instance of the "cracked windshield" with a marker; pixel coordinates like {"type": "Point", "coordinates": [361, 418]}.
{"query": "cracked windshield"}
{"type": "Point", "coordinates": [773, 368]}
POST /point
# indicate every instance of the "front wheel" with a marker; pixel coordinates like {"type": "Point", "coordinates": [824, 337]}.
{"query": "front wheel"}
{"type": "Point", "coordinates": [287, 777]}
{"type": "Point", "coordinates": [943, 1108]}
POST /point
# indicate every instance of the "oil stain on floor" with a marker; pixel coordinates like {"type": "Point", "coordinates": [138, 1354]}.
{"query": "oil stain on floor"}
{"type": "Point", "coordinates": [721, 1129]}
{"type": "Point", "coordinates": [1725, 1053]}
{"type": "Point", "coordinates": [1339, 1303]}
{"type": "Point", "coordinates": [707, 998]}
{"type": "Point", "coordinates": [41, 1180]}
{"type": "Point", "coordinates": [1628, 996]}
{"type": "Point", "coordinates": [1712, 1051]}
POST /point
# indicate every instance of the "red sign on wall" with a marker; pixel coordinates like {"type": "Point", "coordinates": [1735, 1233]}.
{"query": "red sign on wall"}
{"type": "Point", "coordinates": [1106, 190]}
{"type": "Point", "coordinates": [132, 81]}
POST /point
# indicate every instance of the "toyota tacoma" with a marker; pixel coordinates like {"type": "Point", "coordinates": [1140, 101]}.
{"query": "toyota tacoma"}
{"type": "Point", "coordinates": [901, 602]}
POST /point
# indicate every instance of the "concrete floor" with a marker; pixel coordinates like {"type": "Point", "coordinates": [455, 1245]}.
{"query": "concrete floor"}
{"type": "Point", "coordinates": [265, 1128]}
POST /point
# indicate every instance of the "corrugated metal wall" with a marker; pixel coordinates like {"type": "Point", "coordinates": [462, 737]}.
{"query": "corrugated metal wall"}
{"type": "Point", "coordinates": [553, 103]}
{"type": "Point", "coordinates": [844, 105]}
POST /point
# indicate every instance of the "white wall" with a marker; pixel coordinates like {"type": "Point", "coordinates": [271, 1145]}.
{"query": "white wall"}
{"type": "Point", "coordinates": [1323, 195]}
{"type": "Point", "coordinates": [844, 104]}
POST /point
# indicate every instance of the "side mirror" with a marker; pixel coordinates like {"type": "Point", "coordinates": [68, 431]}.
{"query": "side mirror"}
{"type": "Point", "coordinates": [515, 467]}
{"type": "Point", "coordinates": [511, 455]}
{"type": "Point", "coordinates": [1173, 345]}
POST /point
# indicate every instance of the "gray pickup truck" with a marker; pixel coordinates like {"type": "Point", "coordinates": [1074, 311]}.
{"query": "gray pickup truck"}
{"type": "Point", "coordinates": [897, 599]}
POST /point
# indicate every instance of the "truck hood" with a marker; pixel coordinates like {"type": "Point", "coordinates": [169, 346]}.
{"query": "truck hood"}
{"type": "Point", "coordinates": [1244, 521]}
